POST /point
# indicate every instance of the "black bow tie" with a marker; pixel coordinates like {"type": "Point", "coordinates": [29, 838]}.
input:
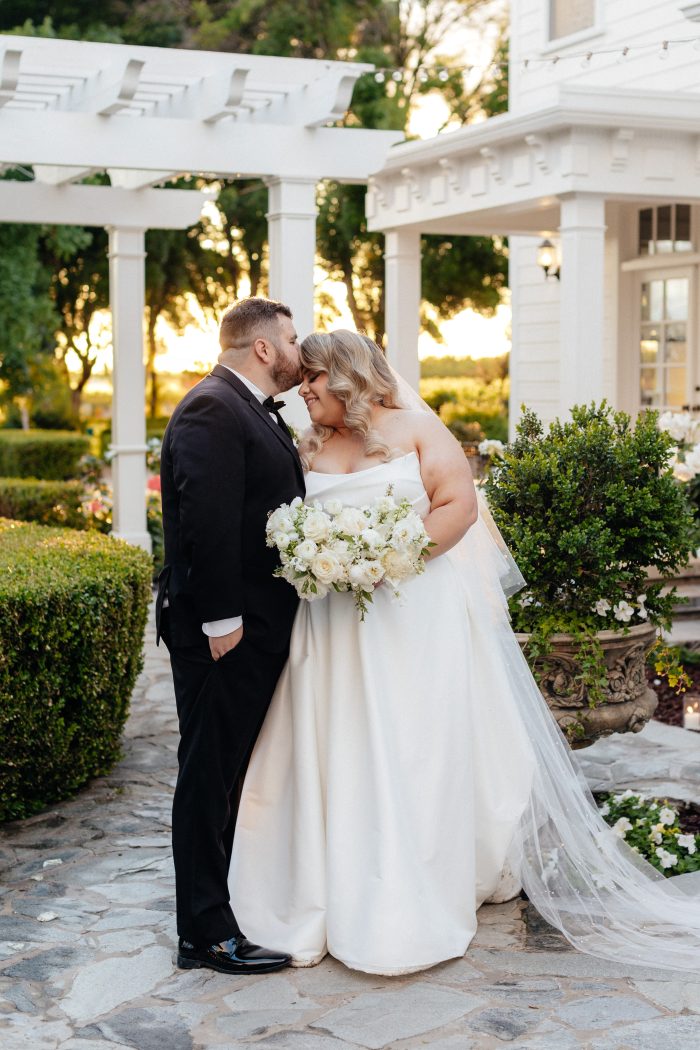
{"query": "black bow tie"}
{"type": "Point", "coordinates": [273, 406]}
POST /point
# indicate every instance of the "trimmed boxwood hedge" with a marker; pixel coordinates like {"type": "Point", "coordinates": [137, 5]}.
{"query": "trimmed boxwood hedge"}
{"type": "Point", "coordinates": [52, 455]}
{"type": "Point", "coordinates": [73, 609]}
{"type": "Point", "coordinates": [46, 502]}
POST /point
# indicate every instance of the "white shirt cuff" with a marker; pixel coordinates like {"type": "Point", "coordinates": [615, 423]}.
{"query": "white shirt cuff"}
{"type": "Point", "coordinates": [217, 628]}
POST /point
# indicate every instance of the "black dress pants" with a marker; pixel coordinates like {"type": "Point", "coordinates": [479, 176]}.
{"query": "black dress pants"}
{"type": "Point", "coordinates": [221, 706]}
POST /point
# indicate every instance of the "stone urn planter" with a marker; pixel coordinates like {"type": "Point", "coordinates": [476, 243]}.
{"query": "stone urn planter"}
{"type": "Point", "coordinates": [629, 702]}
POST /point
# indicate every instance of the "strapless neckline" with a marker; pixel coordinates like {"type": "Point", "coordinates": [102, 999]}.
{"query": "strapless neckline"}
{"type": "Point", "coordinates": [365, 470]}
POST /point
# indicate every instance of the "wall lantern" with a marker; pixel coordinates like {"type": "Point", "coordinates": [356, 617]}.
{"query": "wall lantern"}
{"type": "Point", "coordinates": [548, 259]}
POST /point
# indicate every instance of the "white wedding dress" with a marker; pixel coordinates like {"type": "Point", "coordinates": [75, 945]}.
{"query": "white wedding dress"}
{"type": "Point", "coordinates": [408, 766]}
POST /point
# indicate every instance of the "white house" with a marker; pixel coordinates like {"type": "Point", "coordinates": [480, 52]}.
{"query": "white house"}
{"type": "Point", "coordinates": [598, 154]}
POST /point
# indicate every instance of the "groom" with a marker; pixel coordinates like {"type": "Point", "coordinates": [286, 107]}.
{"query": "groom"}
{"type": "Point", "coordinates": [227, 461]}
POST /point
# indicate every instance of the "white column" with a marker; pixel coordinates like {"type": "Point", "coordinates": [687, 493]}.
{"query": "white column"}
{"type": "Point", "coordinates": [126, 292]}
{"type": "Point", "coordinates": [581, 333]}
{"type": "Point", "coordinates": [402, 297]}
{"type": "Point", "coordinates": [291, 231]}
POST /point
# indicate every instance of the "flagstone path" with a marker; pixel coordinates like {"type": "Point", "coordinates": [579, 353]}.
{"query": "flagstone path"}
{"type": "Point", "coordinates": [87, 936]}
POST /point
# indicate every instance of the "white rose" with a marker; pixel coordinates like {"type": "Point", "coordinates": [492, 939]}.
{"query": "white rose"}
{"type": "Point", "coordinates": [602, 606]}
{"type": "Point", "coordinates": [397, 565]}
{"type": "Point", "coordinates": [280, 521]}
{"type": "Point", "coordinates": [404, 532]}
{"type": "Point", "coordinates": [306, 550]}
{"type": "Point", "coordinates": [326, 567]}
{"type": "Point", "coordinates": [623, 611]}
{"type": "Point", "coordinates": [296, 502]}
{"type": "Point", "coordinates": [365, 573]}
{"type": "Point", "coordinates": [333, 507]}
{"type": "Point", "coordinates": [350, 521]}
{"type": "Point", "coordinates": [316, 526]}
{"type": "Point", "coordinates": [372, 538]}
{"type": "Point", "coordinates": [281, 540]}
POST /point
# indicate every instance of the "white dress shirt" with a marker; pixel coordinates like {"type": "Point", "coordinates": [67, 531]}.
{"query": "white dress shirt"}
{"type": "Point", "coordinates": [217, 628]}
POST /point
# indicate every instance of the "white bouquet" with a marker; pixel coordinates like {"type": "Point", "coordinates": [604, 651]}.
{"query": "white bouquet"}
{"type": "Point", "coordinates": [330, 546]}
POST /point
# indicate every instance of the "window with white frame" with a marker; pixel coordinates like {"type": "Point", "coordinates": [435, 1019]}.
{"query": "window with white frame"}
{"type": "Point", "coordinates": [665, 229]}
{"type": "Point", "coordinates": [570, 16]}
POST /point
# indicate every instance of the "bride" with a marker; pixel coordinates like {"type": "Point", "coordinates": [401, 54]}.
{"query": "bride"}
{"type": "Point", "coordinates": [408, 769]}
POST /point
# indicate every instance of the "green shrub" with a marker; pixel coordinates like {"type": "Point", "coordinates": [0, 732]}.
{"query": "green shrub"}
{"type": "Point", "coordinates": [52, 455]}
{"type": "Point", "coordinates": [45, 502]}
{"type": "Point", "coordinates": [651, 827]}
{"type": "Point", "coordinates": [72, 614]}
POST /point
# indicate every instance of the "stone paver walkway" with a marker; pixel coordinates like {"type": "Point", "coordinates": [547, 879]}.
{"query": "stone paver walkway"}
{"type": "Point", "coordinates": [87, 935]}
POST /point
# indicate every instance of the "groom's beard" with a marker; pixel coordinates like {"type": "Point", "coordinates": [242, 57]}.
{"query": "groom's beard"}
{"type": "Point", "coordinates": [285, 373]}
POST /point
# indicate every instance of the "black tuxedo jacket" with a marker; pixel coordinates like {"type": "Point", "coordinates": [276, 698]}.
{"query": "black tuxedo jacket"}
{"type": "Point", "coordinates": [225, 465]}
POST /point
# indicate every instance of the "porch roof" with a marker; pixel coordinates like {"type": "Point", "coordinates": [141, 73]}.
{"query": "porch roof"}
{"type": "Point", "coordinates": [508, 174]}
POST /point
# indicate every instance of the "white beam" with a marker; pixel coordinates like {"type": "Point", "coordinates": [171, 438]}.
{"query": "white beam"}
{"type": "Point", "coordinates": [228, 148]}
{"type": "Point", "coordinates": [291, 225]}
{"type": "Point", "coordinates": [100, 206]}
{"type": "Point", "coordinates": [52, 175]}
{"type": "Point", "coordinates": [402, 297]}
{"type": "Point", "coordinates": [126, 293]}
{"type": "Point", "coordinates": [131, 179]}
{"type": "Point", "coordinates": [582, 302]}
{"type": "Point", "coordinates": [327, 99]}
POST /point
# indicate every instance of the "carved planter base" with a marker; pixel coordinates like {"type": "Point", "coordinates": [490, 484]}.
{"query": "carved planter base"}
{"type": "Point", "coordinates": [629, 703]}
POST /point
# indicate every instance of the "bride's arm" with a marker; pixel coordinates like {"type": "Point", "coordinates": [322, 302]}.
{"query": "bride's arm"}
{"type": "Point", "coordinates": [448, 482]}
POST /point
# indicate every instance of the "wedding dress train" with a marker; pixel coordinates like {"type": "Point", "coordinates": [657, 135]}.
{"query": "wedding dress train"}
{"type": "Point", "coordinates": [408, 760]}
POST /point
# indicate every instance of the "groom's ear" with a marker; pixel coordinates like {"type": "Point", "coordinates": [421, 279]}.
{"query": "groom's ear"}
{"type": "Point", "coordinates": [262, 350]}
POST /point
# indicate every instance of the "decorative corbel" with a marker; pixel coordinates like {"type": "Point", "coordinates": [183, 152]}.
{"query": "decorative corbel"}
{"type": "Point", "coordinates": [126, 89]}
{"type": "Point", "coordinates": [451, 173]}
{"type": "Point", "coordinates": [620, 149]}
{"type": "Point", "coordinates": [539, 151]}
{"type": "Point", "coordinates": [494, 163]}
{"type": "Point", "coordinates": [412, 182]}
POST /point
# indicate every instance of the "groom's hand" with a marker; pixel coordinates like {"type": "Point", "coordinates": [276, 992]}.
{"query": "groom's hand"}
{"type": "Point", "coordinates": [220, 646]}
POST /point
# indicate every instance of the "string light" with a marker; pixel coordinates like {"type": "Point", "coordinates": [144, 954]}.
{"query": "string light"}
{"type": "Point", "coordinates": [622, 54]}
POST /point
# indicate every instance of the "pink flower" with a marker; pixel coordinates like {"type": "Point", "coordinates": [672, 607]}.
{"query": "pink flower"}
{"type": "Point", "coordinates": [153, 483]}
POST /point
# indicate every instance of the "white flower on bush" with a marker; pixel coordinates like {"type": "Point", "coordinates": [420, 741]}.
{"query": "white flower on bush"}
{"type": "Point", "coordinates": [350, 521]}
{"type": "Point", "coordinates": [678, 424]}
{"type": "Point", "coordinates": [626, 794]}
{"type": "Point", "coordinates": [623, 611]}
{"type": "Point", "coordinates": [657, 833]}
{"type": "Point", "coordinates": [326, 567]}
{"type": "Point", "coordinates": [316, 526]}
{"type": "Point", "coordinates": [682, 471]}
{"type": "Point", "coordinates": [365, 573]}
{"type": "Point", "coordinates": [605, 809]}
{"type": "Point", "coordinates": [668, 860]}
{"type": "Point", "coordinates": [622, 826]}
{"type": "Point", "coordinates": [668, 816]}
{"type": "Point", "coordinates": [491, 447]}
{"type": "Point", "coordinates": [524, 600]}
{"type": "Point", "coordinates": [687, 842]}
{"type": "Point", "coordinates": [602, 607]}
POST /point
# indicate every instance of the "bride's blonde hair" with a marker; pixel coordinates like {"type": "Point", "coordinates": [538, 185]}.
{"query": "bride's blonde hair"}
{"type": "Point", "coordinates": [359, 376]}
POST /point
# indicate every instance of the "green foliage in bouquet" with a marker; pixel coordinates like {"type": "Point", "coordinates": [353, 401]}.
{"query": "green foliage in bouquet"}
{"type": "Point", "coordinates": [652, 828]}
{"type": "Point", "coordinates": [52, 455]}
{"type": "Point", "coordinates": [587, 508]}
{"type": "Point", "coordinates": [72, 614]}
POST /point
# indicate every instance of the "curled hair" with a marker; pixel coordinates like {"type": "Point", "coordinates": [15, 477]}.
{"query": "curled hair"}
{"type": "Point", "coordinates": [359, 376]}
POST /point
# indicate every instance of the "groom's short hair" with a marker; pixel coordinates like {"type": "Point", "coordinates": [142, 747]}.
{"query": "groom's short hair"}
{"type": "Point", "coordinates": [248, 320]}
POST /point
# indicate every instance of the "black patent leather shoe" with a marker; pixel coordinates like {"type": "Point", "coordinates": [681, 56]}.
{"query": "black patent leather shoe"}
{"type": "Point", "coordinates": [237, 955]}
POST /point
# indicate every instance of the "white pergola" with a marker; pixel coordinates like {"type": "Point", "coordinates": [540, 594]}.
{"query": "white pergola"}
{"type": "Point", "coordinates": [145, 115]}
